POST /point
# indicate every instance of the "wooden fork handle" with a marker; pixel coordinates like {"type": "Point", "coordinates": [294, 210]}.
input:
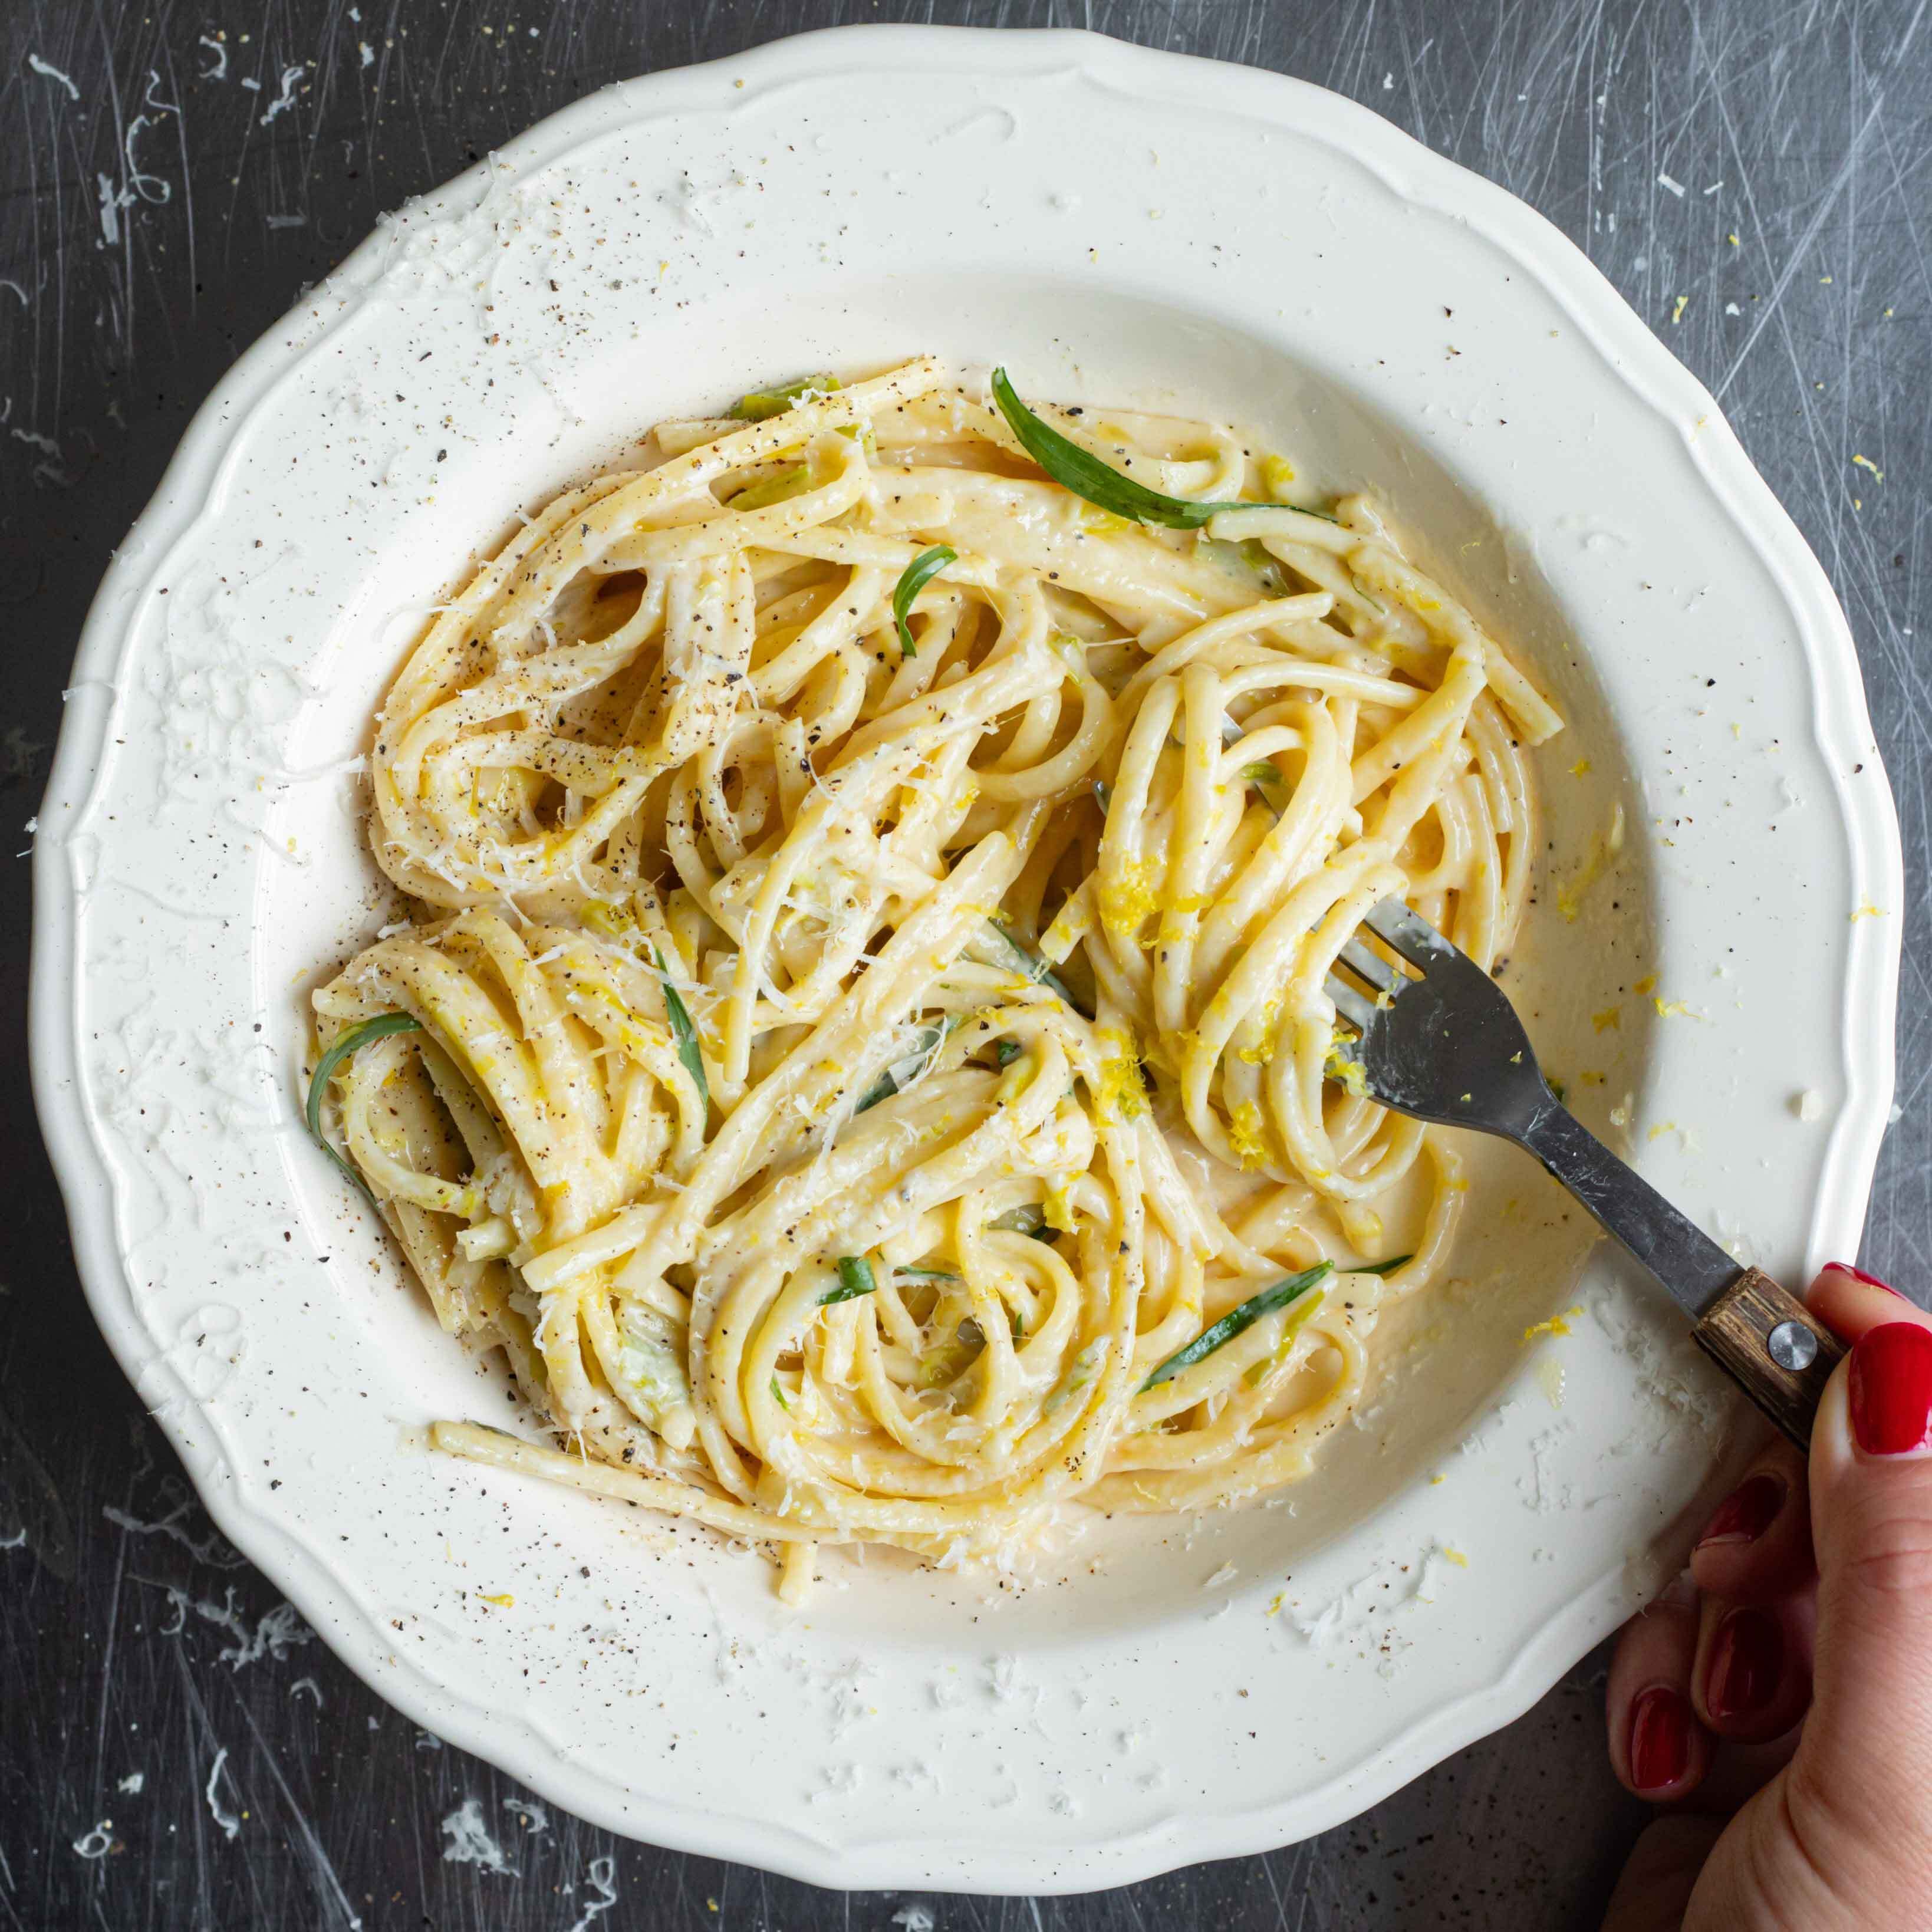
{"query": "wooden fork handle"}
{"type": "Point", "coordinates": [1779, 1353]}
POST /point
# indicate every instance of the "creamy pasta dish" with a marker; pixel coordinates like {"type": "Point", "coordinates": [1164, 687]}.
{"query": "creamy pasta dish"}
{"type": "Point", "coordinates": [857, 1044]}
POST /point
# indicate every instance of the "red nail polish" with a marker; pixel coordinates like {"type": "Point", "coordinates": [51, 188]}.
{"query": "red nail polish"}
{"type": "Point", "coordinates": [1891, 1389]}
{"type": "Point", "coordinates": [1746, 1660]}
{"type": "Point", "coordinates": [1747, 1512]}
{"type": "Point", "coordinates": [1869, 1280]}
{"type": "Point", "coordinates": [1660, 1738]}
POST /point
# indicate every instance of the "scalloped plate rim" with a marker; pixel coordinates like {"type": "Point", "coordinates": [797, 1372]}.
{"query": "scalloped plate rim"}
{"type": "Point", "coordinates": [189, 490]}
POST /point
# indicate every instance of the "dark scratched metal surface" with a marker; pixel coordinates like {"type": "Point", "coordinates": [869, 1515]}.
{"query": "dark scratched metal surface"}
{"type": "Point", "coordinates": [176, 1750]}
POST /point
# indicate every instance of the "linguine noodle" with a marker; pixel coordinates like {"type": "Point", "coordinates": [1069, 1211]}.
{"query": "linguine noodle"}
{"type": "Point", "coordinates": [851, 1065]}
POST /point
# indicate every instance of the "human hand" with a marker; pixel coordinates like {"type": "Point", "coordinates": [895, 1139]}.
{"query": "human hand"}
{"type": "Point", "coordinates": [1779, 1699]}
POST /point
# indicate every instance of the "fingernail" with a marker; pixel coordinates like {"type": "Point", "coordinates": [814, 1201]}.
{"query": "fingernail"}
{"type": "Point", "coordinates": [1747, 1512]}
{"type": "Point", "coordinates": [1891, 1390]}
{"type": "Point", "coordinates": [1746, 1660]}
{"type": "Point", "coordinates": [1869, 1280]}
{"type": "Point", "coordinates": [1660, 1738]}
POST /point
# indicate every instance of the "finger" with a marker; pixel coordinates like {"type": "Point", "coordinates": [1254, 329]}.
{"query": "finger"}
{"type": "Point", "coordinates": [1656, 1884]}
{"type": "Point", "coordinates": [1658, 1750]}
{"type": "Point", "coordinates": [1849, 1301]}
{"type": "Point", "coordinates": [1752, 1678]}
{"type": "Point", "coordinates": [1862, 1777]}
{"type": "Point", "coordinates": [1757, 1545]}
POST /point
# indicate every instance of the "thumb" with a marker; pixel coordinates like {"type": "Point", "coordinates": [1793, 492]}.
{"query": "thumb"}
{"type": "Point", "coordinates": [1860, 1785]}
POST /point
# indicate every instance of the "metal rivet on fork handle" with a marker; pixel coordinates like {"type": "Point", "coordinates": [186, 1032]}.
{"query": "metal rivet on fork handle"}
{"type": "Point", "coordinates": [1792, 1345]}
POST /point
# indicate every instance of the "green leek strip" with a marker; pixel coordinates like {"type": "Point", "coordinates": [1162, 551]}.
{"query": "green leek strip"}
{"type": "Point", "coordinates": [346, 1042]}
{"type": "Point", "coordinates": [1261, 561]}
{"type": "Point", "coordinates": [855, 1278]}
{"type": "Point", "coordinates": [778, 1395]}
{"type": "Point", "coordinates": [902, 1073]}
{"type": "Point", "coordinates": [925, 1274]}
{"type": "Point", "coordinates": [1016, 1321]}
{"type": "Point", "coordinates": [1292, 1324]}
{"type": "Point", "coordinates": [1006, 1051]}
{"type": "Point", "coordinates": [1028, 1219]}
{"type": "Point", "coordinates": [788, 483]}
{"type": "Point", "coordinates": [1379, 1267]}
{"type": "Point", "coordinates": [1267, 772]}
{"type": "Point", "coordinates": [683, 1032]}
{"type": "Point", "coordinates": [1238, 1320]}
{"type": "Point", "coordinates": [916, 576]}
{"type": "Point", "coordinates": [1078, 470]}
{"type": "Point", "coordinates": [756, 405]}
{"type": "Point", "coordinates": [1038, 970]}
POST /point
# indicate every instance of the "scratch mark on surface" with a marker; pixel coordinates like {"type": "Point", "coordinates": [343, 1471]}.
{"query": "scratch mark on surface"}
{"type": "Point", "coordinates": [150, 187]}
{"type": "Point", "coordinates": [231, 1825]}
{"type": "Point", "coordinates": [96, 1843]}
{"type": "Point", "coordinates": [603, 1874]}
{"type": "Point", "coordinates": [53, 73]}
{"type": "Point", "coordinates": [285, 100]}
{"type": "Point", "coordinates": [318, 1858]}
{"type": "Point", "coordinates": [470, 1842]}
{"type": "Point", "coordinates": [1801, 248]}
{"type": "Point", "coordinates": [529, 1814]}
{"type": "Point", "coordinates": [277, 1633]}
{"type": "Point", "coordinates": [112, 202]}
{"type": "Point", "coordinates": [214, 1548]}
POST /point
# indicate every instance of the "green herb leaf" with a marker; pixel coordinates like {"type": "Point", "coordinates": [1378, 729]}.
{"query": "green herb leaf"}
{"type": "Point", "coordinates": [925, 1274]}
{"type": "Point", "coordinates": [1380, 1267]}
{"type": "Point", "coordinates": [1266, 772]}
{"type": "Point", "coordinates": [756, 405]}
{"type": "Point", "coordinates": [855, 1278]}
{"type": "Point", "coordinates": [1076, 469]}
{"type": "Point", "coordinates": [1238, 1320]}
{"type": "Point", "coordinates": [916, 576]}
{"type": "Point", "coordinates": [1016, 1321]}
{"type": "Point", "coordinates": [683, 1032]}
{"type": "Point", "coordinates": [778, 1395]}
{"type": "Point", "coordinates": [346, 1042]}
{"type": "Point", "coordinates": [1006, 1051]}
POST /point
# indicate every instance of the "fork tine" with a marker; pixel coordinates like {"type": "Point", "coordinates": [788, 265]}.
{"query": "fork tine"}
{"type": "Point", "coordinates": [1378, 972]}
{"type": "Point", "coordinates": [1356, 1008]}
{"type": "Point", "coordinates": [1408, 933]}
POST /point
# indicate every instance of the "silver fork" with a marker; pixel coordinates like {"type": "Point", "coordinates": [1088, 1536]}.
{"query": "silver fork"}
{"type": "Point", "coordinates": [1446, 1045]}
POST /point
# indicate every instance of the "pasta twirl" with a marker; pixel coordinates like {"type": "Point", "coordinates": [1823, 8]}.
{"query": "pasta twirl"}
{"type": "Point", "coordinates": [852, 1059]}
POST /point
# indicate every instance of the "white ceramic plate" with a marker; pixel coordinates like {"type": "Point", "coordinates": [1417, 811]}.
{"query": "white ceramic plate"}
{"type": "Point", "coordinates": [1110, 222]}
